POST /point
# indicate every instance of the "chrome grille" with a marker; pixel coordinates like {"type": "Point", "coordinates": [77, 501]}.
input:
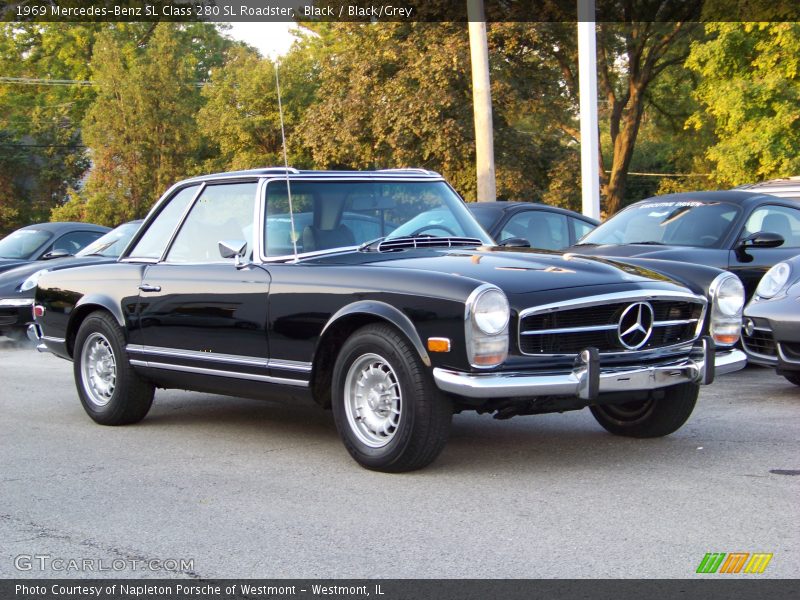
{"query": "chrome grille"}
{"type": "Point", "coordinates": [566, 330]}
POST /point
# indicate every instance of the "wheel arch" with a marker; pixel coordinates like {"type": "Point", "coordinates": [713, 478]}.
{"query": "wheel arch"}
{"type": "Point", "coordinates": [86, 306]}
{"type": "Point", "coordinates": [341, 326]}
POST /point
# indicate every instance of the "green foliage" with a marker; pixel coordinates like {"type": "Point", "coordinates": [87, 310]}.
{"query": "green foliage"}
{"type": "Point", "coordinates": [141, 127]}
{"type": "Point", "coordinates": [749, 94]}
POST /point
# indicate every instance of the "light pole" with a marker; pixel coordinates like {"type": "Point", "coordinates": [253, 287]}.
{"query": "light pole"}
{"type": "Point", "coordinates": [587, 83]}
{"type": "Point", "coordinates": [481, 101]}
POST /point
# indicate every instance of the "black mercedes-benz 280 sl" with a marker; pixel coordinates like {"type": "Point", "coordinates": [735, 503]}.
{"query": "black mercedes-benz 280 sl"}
{"type": "Point", "coordinates": [379, 295]}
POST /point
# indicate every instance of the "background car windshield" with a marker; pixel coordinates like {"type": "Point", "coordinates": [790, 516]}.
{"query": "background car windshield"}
{"type": "Point", "coordinates": [111, 244]}
{"type": "Point", "coordinates": [683, 223]}
{"type": "Point", "coordinates": [341, 214]}
{"type": "Point", "coordinates": [22, 243]}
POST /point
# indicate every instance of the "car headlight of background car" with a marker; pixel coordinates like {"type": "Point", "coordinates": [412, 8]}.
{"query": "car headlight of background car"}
{"type": "Point", "coordinates": [774, 280]}
{"type": "Point", "coordinates": [727, 303]}
{"type": "Point", "coordinates": [487, 316]}
{"type": "Point", "coordinates": [31, 281]}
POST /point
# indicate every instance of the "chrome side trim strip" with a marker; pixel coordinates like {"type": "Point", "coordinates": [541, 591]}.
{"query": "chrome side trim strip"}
{"type": "Point", "coordinates": [235, 359]}
{"type": "Point", "coordinates": [289, 365]}
{"type": "Point", "coordinates": [218, 373]}
{"type": "Point", "coordinates": [55, 340]}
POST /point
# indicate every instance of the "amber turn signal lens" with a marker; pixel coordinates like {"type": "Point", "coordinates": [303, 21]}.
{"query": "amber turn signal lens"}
{"type": "Point", "coordinates": [726, 339]}
{"type": "Point", "coordinates": [439, 344]}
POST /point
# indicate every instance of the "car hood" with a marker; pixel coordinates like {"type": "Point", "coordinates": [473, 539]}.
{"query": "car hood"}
{"type": "Point", "coordinates": [11, 279]}
{"type": "Point", "coordinates": [515, 270]}
{"type": "Point", "coordinates": [10, 263]}
{"type": "Point", "coordinates": [646, 251]}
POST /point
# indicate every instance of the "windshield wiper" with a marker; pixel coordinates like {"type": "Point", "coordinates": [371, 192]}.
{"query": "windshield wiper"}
{"type": "Point", "coordinates": [647, 243]}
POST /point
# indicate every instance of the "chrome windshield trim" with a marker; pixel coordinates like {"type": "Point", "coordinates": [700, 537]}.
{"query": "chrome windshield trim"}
{"type": "Point", "coordinates": [218, 373]}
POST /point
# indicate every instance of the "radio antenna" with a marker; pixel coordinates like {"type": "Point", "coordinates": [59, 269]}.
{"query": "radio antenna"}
{"type": "Point", "coordinates": [286, 161]}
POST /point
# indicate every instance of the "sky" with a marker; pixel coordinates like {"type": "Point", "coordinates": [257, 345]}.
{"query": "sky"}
{"type": "Point", "coordinates": [271, 39]}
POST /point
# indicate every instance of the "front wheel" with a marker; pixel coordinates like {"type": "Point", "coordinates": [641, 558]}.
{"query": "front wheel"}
{"type": "Point", "coordinates": [388, 411]}
{"type": "Point", "coordinates": [109, 389]}
{"type": "Point", "coordinates": [652, 417]}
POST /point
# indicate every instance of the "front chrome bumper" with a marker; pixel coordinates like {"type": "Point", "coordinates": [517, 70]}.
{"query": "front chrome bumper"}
{"type": "Point", "coordinates": [587, 379]}
{"type": "Point", "coordinates": [35, 335]}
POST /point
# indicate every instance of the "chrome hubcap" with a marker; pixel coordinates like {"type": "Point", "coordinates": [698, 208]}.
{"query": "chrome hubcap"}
{"type": "Point", "coordinates": [98, 369]}
{"type": "Point", "coordinates": [372, 400]}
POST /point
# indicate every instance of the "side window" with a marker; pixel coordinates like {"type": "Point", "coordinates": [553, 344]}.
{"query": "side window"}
{"type": "Point", "coordinates": [542, 229]}
{"type": "Point", "coordinates": [782, 220]}
{"type": "Point", "coordinates": [223, 212]}
{"type": "Point", "coordinates": [75, 241]}
{"type": "Point", "coordinates": [154, 241]}
{"type": "Point", "coordinates": [580, 228]}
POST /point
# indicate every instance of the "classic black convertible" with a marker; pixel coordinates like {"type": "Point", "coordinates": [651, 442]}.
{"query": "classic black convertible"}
{"type": "Point", "coordinates": [222, 290]}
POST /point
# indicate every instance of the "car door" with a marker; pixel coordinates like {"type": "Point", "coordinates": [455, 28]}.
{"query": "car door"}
{"type": "Point", "coordinates": [751, 264]}
{"type": "Point", "coordinates": [201, 313]}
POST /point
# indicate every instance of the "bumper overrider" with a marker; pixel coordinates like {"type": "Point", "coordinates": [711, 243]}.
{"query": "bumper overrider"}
{"type": "Point", "coordinates": [587, 380]}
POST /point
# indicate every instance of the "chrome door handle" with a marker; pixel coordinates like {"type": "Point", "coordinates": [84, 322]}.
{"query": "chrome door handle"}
{"type": "Point", "coordinates": [146, 287]}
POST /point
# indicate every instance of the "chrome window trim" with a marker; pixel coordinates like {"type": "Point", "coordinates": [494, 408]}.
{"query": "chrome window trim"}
{"type": "Point", "coordinates": [357, 177]}
{"type": "Point", "coordinates": [218, 373]}
{"type": "Point", "coordinates": [188, 211]}
{"type": "Point", "coordinates": [630, 296]}
{"type": "Point", "coordinates": [156, 210]}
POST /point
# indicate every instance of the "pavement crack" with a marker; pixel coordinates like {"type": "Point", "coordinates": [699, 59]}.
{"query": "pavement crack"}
{"type": "Point", "coordinates": [44, 532]}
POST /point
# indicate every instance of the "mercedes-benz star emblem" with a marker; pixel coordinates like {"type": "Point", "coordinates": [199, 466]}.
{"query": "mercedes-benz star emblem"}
{"type": "Point", "coordinates": [635, 325]}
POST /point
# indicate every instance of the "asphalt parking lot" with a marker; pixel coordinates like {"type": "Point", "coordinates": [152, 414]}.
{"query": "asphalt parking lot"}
{"type": "Point", "coordinates": [243, 488]}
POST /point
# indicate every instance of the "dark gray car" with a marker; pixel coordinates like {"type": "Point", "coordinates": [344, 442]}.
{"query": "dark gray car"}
{"type": "Point", "coordinates": [771, 330]}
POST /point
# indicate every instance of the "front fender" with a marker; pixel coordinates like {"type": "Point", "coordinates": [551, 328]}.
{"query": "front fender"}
{"type": "Point", "coordinates": [386, 312]}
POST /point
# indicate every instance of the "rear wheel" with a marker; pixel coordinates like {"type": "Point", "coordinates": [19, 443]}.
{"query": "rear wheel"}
{"type": "Point", "coordinates": [109, 389]}
{"type": "Point", "coordinates": [389, 413]}
{"type": "Point", "coordinates": [651, 417]}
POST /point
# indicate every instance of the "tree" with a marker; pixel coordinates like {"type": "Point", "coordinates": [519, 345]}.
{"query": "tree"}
{"type": "Point", "coordinates": [141, 128]}
{"type": "Point", "coordinates": [240, 118]}
{"type": "Point", "coordinates": [749, 94]}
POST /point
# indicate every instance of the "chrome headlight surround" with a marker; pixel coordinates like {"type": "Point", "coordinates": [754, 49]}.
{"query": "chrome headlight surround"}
{"type": "Point", "coordinates": [32, 281]}
{"type": "Point", "coordinates": [727, 305]}
{"type": "Point", "coordinates": [486, 317]}
{"type": "Point", "coordinates": [774, 281]}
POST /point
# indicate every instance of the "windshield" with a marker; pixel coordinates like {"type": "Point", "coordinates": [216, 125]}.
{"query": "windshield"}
{"type": "Point", "coordinates": [675, 223]}
{"type": "Point", "coordinates": [340, 214]}
{"type": "Point", "coordinates": [113, 243]}
{"type": "Point", "coordinates": [23, 243]}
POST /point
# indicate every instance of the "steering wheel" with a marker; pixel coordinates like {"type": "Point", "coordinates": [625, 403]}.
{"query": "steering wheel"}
{"type": "Point", "coordinates": [434, 226]}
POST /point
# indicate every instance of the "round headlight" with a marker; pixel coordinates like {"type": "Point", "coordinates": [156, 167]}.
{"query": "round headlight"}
{"type": "Point", "coordinates": [729, 296]}
{"type": "Point", "coordinates": [491, 311]}
{"type": "Point", "coordinates": [774, 280]}
{"type": "Point", "coordinates": [31, 281]}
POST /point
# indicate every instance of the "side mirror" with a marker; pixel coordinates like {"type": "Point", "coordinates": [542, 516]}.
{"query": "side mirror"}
{"type": "Point", "coordinates": [763, 239]}
{"type": "Point", "coordinates": [515, 242]}
{"type": "Point", "coordinates": [56, 254]}
{"type": "Point", "coordinates": [233, 249]}
{"type": "Point", "coordinates": [760, 239]}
